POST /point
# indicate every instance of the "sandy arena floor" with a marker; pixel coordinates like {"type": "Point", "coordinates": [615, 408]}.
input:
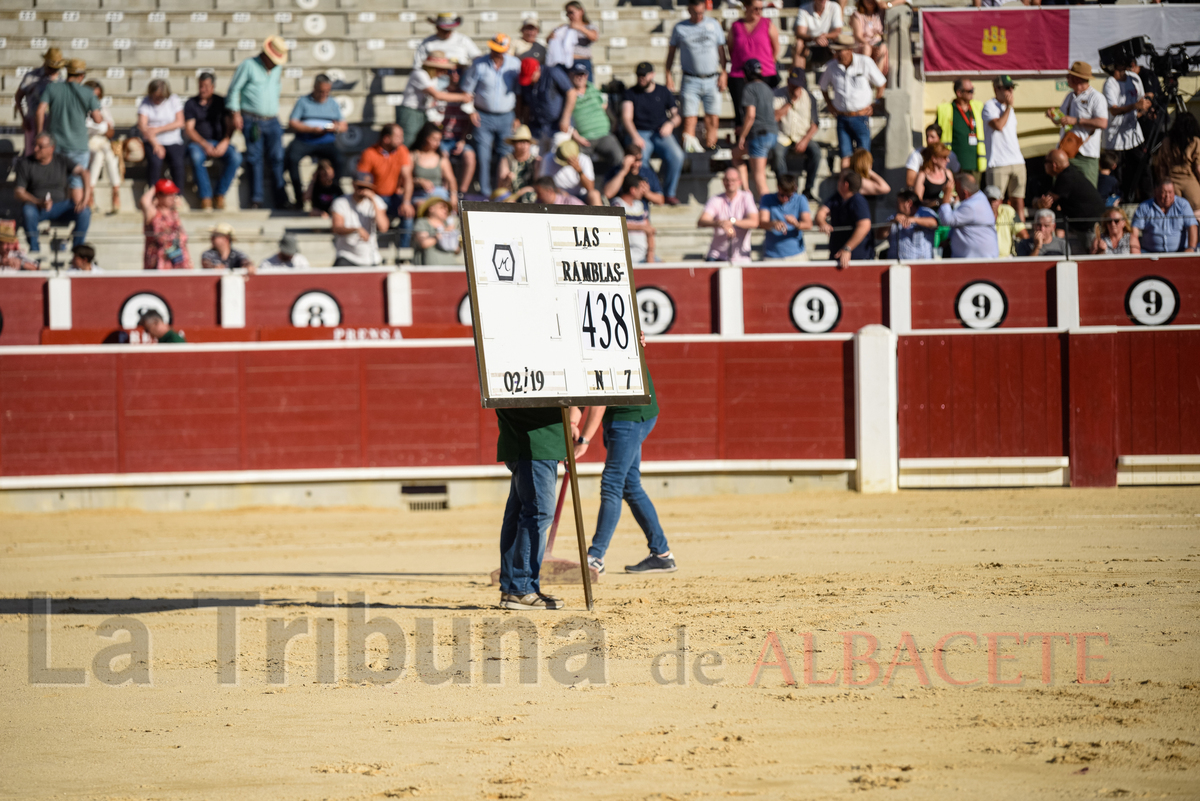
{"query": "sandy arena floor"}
{"type": "Point", "coordinates": [806, 566]}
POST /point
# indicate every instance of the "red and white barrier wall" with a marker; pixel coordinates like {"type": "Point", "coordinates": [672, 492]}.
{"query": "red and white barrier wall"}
{"type": "Point", "coordinates": [992, 374]}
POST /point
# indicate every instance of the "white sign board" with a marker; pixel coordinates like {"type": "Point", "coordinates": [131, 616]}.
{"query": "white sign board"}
{"type": "Point", "coordinates": [552, 296]}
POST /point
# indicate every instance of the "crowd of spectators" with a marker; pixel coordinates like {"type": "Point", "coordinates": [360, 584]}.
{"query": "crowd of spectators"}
{"type": "Point", "coordinates": [525, 121]}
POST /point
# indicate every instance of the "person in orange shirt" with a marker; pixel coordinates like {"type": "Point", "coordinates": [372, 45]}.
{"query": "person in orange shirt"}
{"type": "Point", "coordinates": [388, 160]}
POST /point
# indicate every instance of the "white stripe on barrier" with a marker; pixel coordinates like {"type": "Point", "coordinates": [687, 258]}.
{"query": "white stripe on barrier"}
{"type": "Point", "coordinates": [729, 297]}
{"type": "Point", "coordinates": [876, 406]}
{"type": "Point", "coordinates": [399, 298]}
{"type": "Point", "coordinates": [58, 297]}
{"type": "Point", "coordinates": [233, 301]}
{"type": "Point", "coordinates": [899, 280]}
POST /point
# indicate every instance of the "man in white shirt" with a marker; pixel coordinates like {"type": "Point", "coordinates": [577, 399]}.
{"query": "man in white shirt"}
{"type": "Point", "coordinates": [1127, 101]}
{"type": "Point", "coordinates": [916, 159]}
{"type": "Point", "coordinates": [847, 83]}
{"type": "Point", "coordinates": [571, 170]}
{"type": "Point", "coordinates": [817, 24]}
{"type": "Point", "coordinates": [1085, 112]}
{"type": "Point", "coordinates": [457, 47]}
{"type": "Point", "coordinates": [357, 220]}
{"type": "Point", "coordinates": [1006, 164]}
{"type": "Point", "coordinates": [289, 256]}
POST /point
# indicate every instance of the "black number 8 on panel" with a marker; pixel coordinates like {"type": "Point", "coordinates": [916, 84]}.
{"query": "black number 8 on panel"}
{"type": "Point", "coordinates": [601, 332]}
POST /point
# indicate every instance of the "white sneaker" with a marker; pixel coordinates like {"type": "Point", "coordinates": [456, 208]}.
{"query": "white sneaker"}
{"type": "Point", "coordinates": [532, 601]}
{"type": "Point", "coordinates": [691, 144]}
{"type": "Point", "coordinates": [596, 564]}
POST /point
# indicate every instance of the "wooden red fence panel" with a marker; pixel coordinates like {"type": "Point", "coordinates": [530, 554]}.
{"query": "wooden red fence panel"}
{"type": "Point", "coordinates": [22, 308]}
{"type": "Point", "coordinates": [1105, 285]}
{"type": "Point", "coordinates": [1158, 392]}
{"type": "Point", "coordinates": [1027, 284]}
{"type": "Point", "coordinates": [361, 296]}
{"type": "Point", "coordinates": [768, 293]}
{"type": "Point", "coordinates": [194, 298]}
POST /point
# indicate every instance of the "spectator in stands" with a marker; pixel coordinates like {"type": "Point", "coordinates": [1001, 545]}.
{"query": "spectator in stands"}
{"type": "Point", "coordinates": [166, 240]}
{"type": "Point", "coordinates": [912, 165]}
{"type": "Point", "coordinates": [456, 137]}
{"type": "Point", "coordinates": [1179, 158]}
{"type": "Point", "coordinates": [846, 84]}
{"type": "Point", "coordinates": [867, 24]}
{"type": "Point", "coordinates": [207, 132]}
{"type": "Point", "coordinates": [1107, 184]}
{"type": "Point", "coordinates": [253, 100]}
{"type": "Point", "coordinates": [357, 220]}
{"type": "Point", "coordinates": [447, 41]}
{"type": "Point", "coordinates": [519, 168]}
{"type": "Point", "coordinates": [1074, 197]}
{"type": "Point", "coordinates": [700, 42]}
{"type": "Point", "coordinates": [912, 230]}
{"type": "Point", "coordinates": [11, 256]}
{"type": "Point", "coordinates": [316, 120]}
{"type": "Point", "coordinates": [934, 181]}
{"type": "Point", "coordinates": [64, 111]}
{"type": "Point", "coordinates": [873, 185]}
{"type": "Point", "coordinates": [1005, 163]}
{"type": "Point", "coordinates": [222, 255]}
{"type": "Point", "coordinates": [426, 87]}
{"type": "Point", "coordinates": [732, 216]}
{"type": "Point", "coordinates": [550, 195]}
{"type": "Point", "coordinates": [1083, 112]}
{"type": "Point", "coordinates": [796, 112]}
{"type": "Point", "coordinates": [157, 329]}
{"type": "Point", "coordinates": [585, 117]}
{"type": "Point", "coordinates": [1006, 226]}
{"type": "Point", "coordinates": [160, 123]}
{"type": "Point", "coordinates": [288, 256]}
{"type": "Point", "coordinates": [752, 36]}
{"type": "Point", "coordinates": [530, 46]}
{"type": "Point", "coordinates": [1165, 223]}
{"type": "Point", "coordinates": [571, 170]}
{"type": "Point", "coordinates": [1127, 102]}
{"type": "Point", "coordinates": [1115, 235]}
{"type": "Point", "coordinates": [637, 219]}
{"type": "Point", "coordinates": [973, 223]}
{"type": "Point", "coordinates": [543, 96]}
{"type": "Point", "coordinates": [961, 122]}
{"type": "Point", "coordinates": [431, 166]}
{"type": "Point", "coordinates": [83, 259]}
{"type": "Point", "coordinates": [571, 43]}
{"type": "Point", "coordinates": [42, 184]}
{"type": "Point", "coordinates": [492, 82]}
{"type": "Point", "coordinates": [390, 165]}
{"type": "Point", "coordinates": [436, 237]}
{"type": "Point", "coordinates": [100, 145]}
{"type": "Point", "coordinates": [785, 216]}
{"type": "Point", "coordinates": [29, 94]}
{"type": "Point", "coordinates": [633, 164]}
{"type": "Point", "coordinates": [846, 219]}
{"type": "Point", "coordinates": [1044, 242]}
{"type": "Point", "coordinates": [322, 190]}
{"type": "Point", "coordinates": [818, 24]}
{"type": "Point", "coordinates": [649, 114]}
{"type": "Point", "coordinates": [759, 133]}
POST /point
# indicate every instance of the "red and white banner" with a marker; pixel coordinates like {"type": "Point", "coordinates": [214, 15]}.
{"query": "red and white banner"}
{"type": "Point", "coordinates": [1025, 40]}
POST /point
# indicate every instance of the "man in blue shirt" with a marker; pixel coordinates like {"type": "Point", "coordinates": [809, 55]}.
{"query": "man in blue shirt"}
{"type": "Point", "coordinates": [649, 114]}
{"type": "Point", "coordinates": [316, 121]}
{"type": "Point", "coordinates": [253, 102]}
{"type": "Point", "coordinates": [846, 218]}
{"type": "Point", "coordinates": [785, 216]}
{"type": "Point", "coordinates": [912, 230]}
{"type": "Point", "coordinates": [492, 80]}
{"type": "Point", "coordinates": [632, 164]}
{"type": "Point", "coordinates": [1165, 224]}
{"type": "Point", "coordinates": [543, 95]}
{"type": "Point", "coordinates": [974, 224]}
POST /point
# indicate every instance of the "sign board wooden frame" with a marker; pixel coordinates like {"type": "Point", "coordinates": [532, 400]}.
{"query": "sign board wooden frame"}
{"type": "Point", "coordinates": [553, 284]}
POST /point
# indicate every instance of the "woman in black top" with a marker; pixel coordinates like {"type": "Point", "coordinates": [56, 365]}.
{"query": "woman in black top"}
{"type": "Point", "coordinates": [324, 189]}
{"type": "Point", "coordinates": [934, 178]}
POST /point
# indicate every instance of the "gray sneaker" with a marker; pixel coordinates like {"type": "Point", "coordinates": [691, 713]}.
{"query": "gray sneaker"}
{"type": "Point", "coordinates": [596, 564]}
{"type": "Point", "coordinates": [535, 601]}
{"type": "Point", "coordinates": [653, 564]}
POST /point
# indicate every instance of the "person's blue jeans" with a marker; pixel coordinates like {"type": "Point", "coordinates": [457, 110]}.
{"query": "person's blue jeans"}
{"type": "Point", "coordinates": [492, 131]}
{"type": "Point", "coordinates": [81, 158]}
{"type": "Point", "coordinates": [61, 212]}
{"type": "Point", "coordinates": [300, 149]}
{"type": "Point", "coordinates": [853, 133]}
{"type": "Point", "coordinates": [269, 145]}
{"type": "Point", "coordinates": [232, 160]}
{"type": "Point", "coordinates": [526, 519]}
{"type": "Point", "coordinates": [622, 480]}
{"type": "Point", "coordinates": [404, 236]}
{"type": "Point", "coordinates": [666, 148]}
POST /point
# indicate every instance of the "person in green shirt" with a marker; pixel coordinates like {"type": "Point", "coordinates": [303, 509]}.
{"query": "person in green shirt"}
{"type": "Point", "coordinates": [154, 325]}
{"type": "Point", "coordinates": [625, 428]}
{"type": "Point", "coordinates": [63, 113]}
{"type": "Point", "coordinates": [585, 117]}
{"type": "Point", "coordinates": [531, 445]}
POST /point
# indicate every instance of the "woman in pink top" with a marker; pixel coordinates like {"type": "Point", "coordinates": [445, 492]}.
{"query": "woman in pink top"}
{"type": "Point", "coordinates": [867, 24]}
{"type": "Point", "coordinates": [752, 36]}
{"type": "Point", "coordinates": [166, 241]}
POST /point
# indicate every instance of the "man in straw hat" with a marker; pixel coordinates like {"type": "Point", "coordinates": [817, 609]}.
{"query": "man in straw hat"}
{"type": "Point", "coordinates": [456, 46]}
{"type": "Point", "coordinates": [571, 170]}
{"type": "Point", "coordinates": [424, 90]}
{"type": "Point", "coordinates": [357, 220]}
{"type": "Point", "coordinates": [253, 102]}
{"type": "Point", "coordinates": [63, 112]}
{"type": "Point", "coordinates": [222, 255]}
{"type": "Point", "coordinates": [1084, 111]}
{"type": "Point", "coordinates": [519, 168]}
{"type": "Point", "coordinates": [29, 93]}
{"type": "Point", "coordinates": [846, 84]}
{"type": "Point", "coordinates": [492, 82]}
{"type": "Point", "coordinates": [11, 257]}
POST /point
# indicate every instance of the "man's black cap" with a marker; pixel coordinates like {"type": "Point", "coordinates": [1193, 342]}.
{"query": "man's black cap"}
{"type": "Point", "coordinates": [645, 68]}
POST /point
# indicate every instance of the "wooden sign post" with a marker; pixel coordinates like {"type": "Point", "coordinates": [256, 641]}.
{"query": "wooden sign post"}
{"type": "Point", "coordinates": [556, 320]}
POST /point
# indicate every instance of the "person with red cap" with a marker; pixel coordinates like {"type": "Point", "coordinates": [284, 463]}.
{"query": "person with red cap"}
{"type": "Point", "coordinates": [166, 241]}
{"type": "Point", "coordinates": [543, 96]}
